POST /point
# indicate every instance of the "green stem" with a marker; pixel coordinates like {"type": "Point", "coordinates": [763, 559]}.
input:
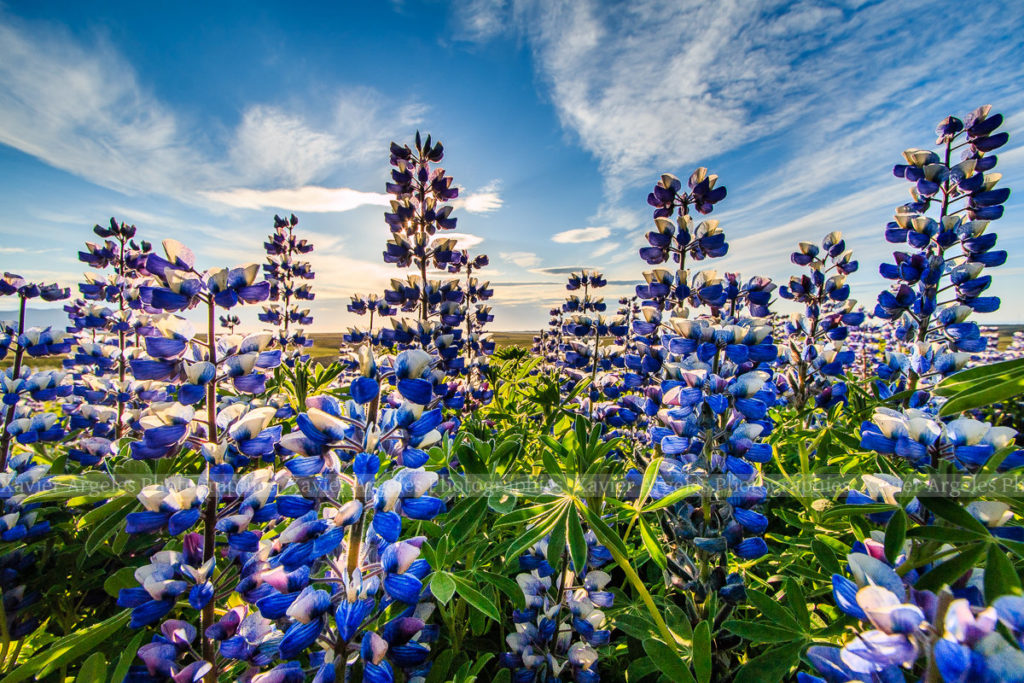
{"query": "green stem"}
{"type": "Point", "coordinates": [638, 585]}
{"type": "Point", "coordinates": [210, 513]}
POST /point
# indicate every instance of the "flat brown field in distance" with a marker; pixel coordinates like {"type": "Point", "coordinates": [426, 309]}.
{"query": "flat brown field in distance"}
{"type": "Point", "coordinates": [326, 345]}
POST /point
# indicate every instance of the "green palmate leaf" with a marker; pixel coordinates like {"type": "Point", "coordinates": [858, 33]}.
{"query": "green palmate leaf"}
{"type": "Point", "coordinates": [758, 632]}
{"type": "Point", "coordinates": [650, 476]}
{"type": "Point", "coordinates": [639, 667]}
{"type": "Point", "coordinates": [557, 542]}
{"type": "Point", "coordinates": [577, 542]}
{"type": "Point", "coordinates": [127, 658]}
{"type": "Point", "coordinates": [825, 556]}
{"type": "Point", "coordinates": [856, 510]}
{"type": "Point", "coordinates": [959, 381]}
{"type": "Point", "coordinates": [985, 393]}
{"type": "Point", "coordinates": [532, 535]}
{"type": "Point", "coordinates": [527, 514]}
{"type": "Point", "coordinates": [953, 512]}
{"type": "Point", "coordinates": [702, 652]}
{"type": "Point", "coordinates": [797, 603]}
{"type": "Point", "coordinates": [442, 585]}
{"type": "Point", "coordinates": [952, 569]}
{"type": "Point", "coordinates": [652, 545]}
{"type": "Point", "coordinates": [772, 610]}
{"type": "Point", "coordinates": [506, 585]}
{"type": "Point", "coordinates": [770, 666]}
{"type": "Point", "coordinates": [476, 598]}
{"type": "Point", "coordinates": [1001, 577]}
{"type": "Point", "coordinates": [69, 648]}
{"type": "Point", "coordinates": [668, 662]}
{"type": "Point", "coordinates": [895, 535]}
{"type": "Point", "coordinates": [93, 669]}
{"type": "Point", "coordinates": [122, 578]}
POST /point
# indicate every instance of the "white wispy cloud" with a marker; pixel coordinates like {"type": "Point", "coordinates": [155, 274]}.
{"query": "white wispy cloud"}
{"type": "Point", "coordinates": [464, 239]}
{"type": "Point", "coordinates": [307, 199]}
{"type": "Point", "coordinates": [79, 106]}
{"type": "Point", "coordinates": [523, 259]}
{"type": "Point", "coordinates": [485, 200]}
{"type": "Point", "coordinates": [581, 235]}
{"type": "Point", "coordinates": [668, 84]}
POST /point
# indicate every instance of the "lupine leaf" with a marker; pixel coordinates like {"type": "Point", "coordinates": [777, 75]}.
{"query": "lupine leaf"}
{"type": "Point", "coordinates": [958, 381]}
{"type": "Point", "coordinates": [895, 535]}
{"type": "Point", "coordinates": [476, 598]}
{"type": "Point", "coordinates": [669, 663]}
{"type": "Point", "coordinates": [757, 632]}
{"type": "Point", "coordinates": [93, 669]}
{"type": "Point", "coordinates": [1001, 577]}
{"type": "Point", "coordinates": [772, 610]}
{"type": "Point", "coordinates": [952, 569]}
{"type": "Point", "coordinates": [442, 585]}
{"type": "Point", "coordinates": [770, 666]}
{"type": "Point", "coordinates": [702, 652]}
{"type": "Point", "coordinates": [797, 603]}
{"type": "Point", "coordinates": [69, 648]}
{"type": "Point", "coordinates": [952, 511]}
{"type": "Point", "coordinates": [577, 542]}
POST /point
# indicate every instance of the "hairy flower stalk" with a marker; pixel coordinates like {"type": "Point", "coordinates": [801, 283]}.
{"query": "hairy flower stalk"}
{"type": "Point", "coordinates": [210, 513]}
{"type": "Point", "coordinates": [5, 441]}
{"type": "Point", "coordinates": [35, 342]}
{"type": "Point", "coordinates": [815, 356]}
{"type": "Point", "coordinates": [938, 336]}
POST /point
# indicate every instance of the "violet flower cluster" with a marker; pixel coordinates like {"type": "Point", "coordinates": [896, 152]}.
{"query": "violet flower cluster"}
{"type": "Point", "coordinates": [951, 208]}
{"type": "Point", "coordinates": [288, 275]}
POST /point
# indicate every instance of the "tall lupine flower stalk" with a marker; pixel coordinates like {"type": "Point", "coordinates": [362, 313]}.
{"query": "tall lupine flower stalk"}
{"type": "Point", "coordinates": [229, 322]}
{"type": "Point", "coordinates": [178, 287]}
{"type": "Point", "coordinates": [359, 466]}
{"type": "Point", "coordinates": [478, 345]}
{"type": "Point", "coordinates": [583, 321]}
{"type": "Point", "coordinates": [285, 271]}
{"type": "Point", "coordinates": [374, 305]}
{"type": "Point", "coordinates": [544, 644]}
{"type": "Point", "coordinates": [814, 354]}
{"type": "Point", "coordinates": [124, 257]}
{"type": "Point", "coordinates": [477, 313]}
{"type": "Point", "coordinates": [707, 385]}
{"type": "Point", "coordinates": [35, 342]}
{"type": "Point", "coordinates": [963, 199]}
{"type": "Point", "coordinates": [417, 212]}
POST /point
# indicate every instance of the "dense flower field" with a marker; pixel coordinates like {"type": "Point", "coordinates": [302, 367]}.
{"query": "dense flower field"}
{"type": "Point", "coordinates": [684, 485]}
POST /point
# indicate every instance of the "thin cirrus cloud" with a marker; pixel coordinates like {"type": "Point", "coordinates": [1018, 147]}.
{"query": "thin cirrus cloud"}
{"type": "Point", "coordinates": [580, 235]}
{"type": "Point", "coordinates": [649, 85]}
{"type": "Point", "coordinates": [315, 199]}
{"type": "Point", "coordinates": [81, 107]}
{"type": "Point", "coordinates": [523, 259]}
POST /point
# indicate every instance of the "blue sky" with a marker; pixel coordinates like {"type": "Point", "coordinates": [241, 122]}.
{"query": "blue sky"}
{"type": "Point", "coordinates": [199, 121]}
